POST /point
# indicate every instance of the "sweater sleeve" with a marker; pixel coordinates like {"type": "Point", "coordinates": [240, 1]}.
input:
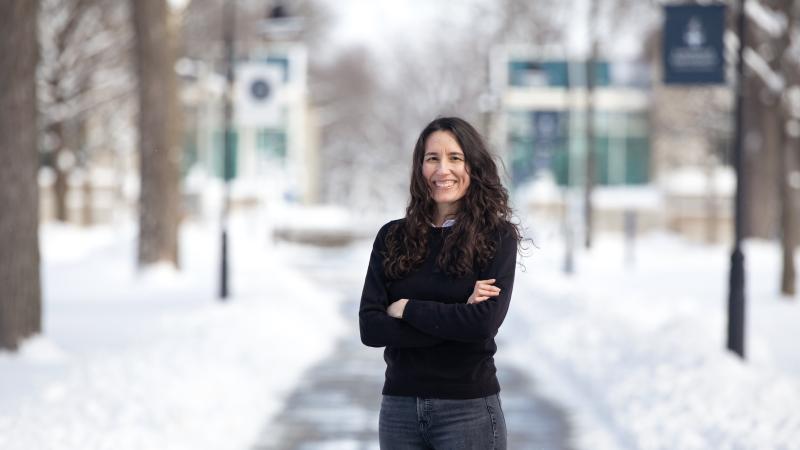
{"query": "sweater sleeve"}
{"type": "Point", "coordinates": [465, 322]}
{"type": "Point", "coordinates": [378, 329]}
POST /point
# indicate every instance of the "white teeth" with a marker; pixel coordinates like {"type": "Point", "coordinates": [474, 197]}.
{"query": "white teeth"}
{"type": "Point", "coordinates": [445, 184]}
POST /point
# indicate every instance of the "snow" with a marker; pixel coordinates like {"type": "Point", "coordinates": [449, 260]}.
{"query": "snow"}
{"type": "Point", "coordinates": [636, 352]}
{"type": "Point", "coordinates": [633, 348]}
{"type": "Point", "coordinates": [696, 181]}
{"type": "Point", "coordinates": [627, 197]}
{"type": "Point", "coordinates": [793, 100]}
{"type": "Point", "coordinates": [544, 190]}
{"type": "Point", "coordinates": [794, 179]}
{"type": "Point", "coordinates": [773, 22]}
{"type": "Point", "coordinates": [154, 360]}
{"type": "Point", "coordinates": [793, 128]}
{"type": "Point", "coordinates": [772, 79]}
{"type": "Point", "coordinates": [323, 218]}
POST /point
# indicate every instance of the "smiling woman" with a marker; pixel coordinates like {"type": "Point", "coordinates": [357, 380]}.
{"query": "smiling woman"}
{"type": "Point", "coordinates": [437, 289]}
{"type": "Point", "coordinates": [446, 173]}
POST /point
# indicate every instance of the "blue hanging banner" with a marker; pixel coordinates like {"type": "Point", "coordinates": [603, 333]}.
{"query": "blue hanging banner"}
{"type": "Point", "coordinates": [693, 49]}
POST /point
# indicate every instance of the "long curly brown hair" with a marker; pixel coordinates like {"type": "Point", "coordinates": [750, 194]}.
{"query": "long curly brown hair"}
{"type": "Point", "coordinates": [483, 212]}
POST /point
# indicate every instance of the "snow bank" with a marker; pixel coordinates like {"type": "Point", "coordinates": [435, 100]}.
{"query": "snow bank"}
{"type": "Point", "coordinates": [637, 353]}
{"type": "Point", "coordinates": [155, 361]}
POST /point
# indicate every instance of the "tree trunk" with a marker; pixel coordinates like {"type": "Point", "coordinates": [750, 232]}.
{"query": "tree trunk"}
{"type": "Point", "coordinates": [787, 219]}
{"type": "Point", "coordinates": [60, 186]}
{"type": "Point", "coordinates": [20, 290]}
{"type": "Point", "coordinates": [158, 134]}
{"type": "Point", "coordinates": [712, 211]}
{"type": "Point", "coordinates": [87, 213]}
{"type": "Point", "coordinates": [761, 164]}
{"type": "Point", "coordinates": [786, 161]}
{"type": "Point", "coordinates": [791, 270]}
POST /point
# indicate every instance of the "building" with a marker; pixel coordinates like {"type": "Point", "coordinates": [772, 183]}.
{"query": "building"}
{"type": "Point", "coordinates": [542, 119]}
{"type": "Point", "coordinates": [274, 155]}
{"type": "Point", "coordinates": [539, 125]}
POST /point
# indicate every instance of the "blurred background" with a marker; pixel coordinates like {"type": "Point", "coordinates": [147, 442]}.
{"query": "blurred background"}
{"type": "Point", "coordinates": [189, 190]}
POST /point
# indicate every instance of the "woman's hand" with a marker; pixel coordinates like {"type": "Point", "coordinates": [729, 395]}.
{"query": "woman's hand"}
{"type": "Point", "coordinates": [396, 309]}
{"type": "Point", "coordinates": [483, 290]}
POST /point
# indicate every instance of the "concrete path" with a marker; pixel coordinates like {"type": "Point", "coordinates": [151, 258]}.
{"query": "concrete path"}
{"type": "Point", "coordinates": [335, 405]}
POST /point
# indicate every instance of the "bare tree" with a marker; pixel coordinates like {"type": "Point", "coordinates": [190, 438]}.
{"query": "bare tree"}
{"type": "Point", "coordinates": [20, 296]}
{"type": "Point", "coordinates": [159, 146]}
{"type": "Point", "coordinates": [83, 65]}
{"type": "Point", "coordinates": [788, 65]}
{"type": "Point", "coordinates": [373, 104]}
{"type": "Point", "coordinates": [539, 22]}
{"type": "Point", "coordinates": [773, 69]}
{"type": "Point", "coordinates": [345, 91]}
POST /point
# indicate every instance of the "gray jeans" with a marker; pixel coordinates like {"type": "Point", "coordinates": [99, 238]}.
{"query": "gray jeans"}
{"type": "Point", "coordinates": [437, 424]}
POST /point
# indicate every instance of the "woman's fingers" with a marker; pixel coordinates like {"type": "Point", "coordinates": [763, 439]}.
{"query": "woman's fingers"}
{"type": "Point", "coordinates": [484, 289]}
{"type": "Point", "coordinates": [494, 290]}
{"type": "Point", "coordinates": [477, 299]}
{"type": "Point", "coordinates": [486, 284]}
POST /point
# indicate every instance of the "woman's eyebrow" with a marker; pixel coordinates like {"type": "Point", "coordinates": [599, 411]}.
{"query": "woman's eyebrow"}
{"type": "Point", "coordinates": [450, 152]}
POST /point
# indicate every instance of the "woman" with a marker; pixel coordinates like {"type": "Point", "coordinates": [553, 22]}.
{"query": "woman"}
{"type": "Point", "coordinates": [437, 289]}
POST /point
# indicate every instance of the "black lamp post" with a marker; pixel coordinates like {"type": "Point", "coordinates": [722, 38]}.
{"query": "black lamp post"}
{"type": "Point", "coordinates": [228, 26]}
{"type": "Point", "coordinates": [736, 295]}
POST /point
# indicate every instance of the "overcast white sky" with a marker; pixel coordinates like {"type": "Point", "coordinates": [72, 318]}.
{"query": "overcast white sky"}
{"type": "Point", "coordinates": [375, 22]}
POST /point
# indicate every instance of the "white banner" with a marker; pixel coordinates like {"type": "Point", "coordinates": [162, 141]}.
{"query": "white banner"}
{"type": "Point", "coordinates": [259, 95]}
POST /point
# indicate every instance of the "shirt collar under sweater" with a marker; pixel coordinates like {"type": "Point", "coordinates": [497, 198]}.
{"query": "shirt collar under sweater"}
{"type": "Point", "coordinates": [447, 223]}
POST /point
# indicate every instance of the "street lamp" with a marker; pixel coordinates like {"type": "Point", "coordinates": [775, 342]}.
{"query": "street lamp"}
{"type": "Point", "coordinates": [279, 25]}
{"type": "Point", "coordinates": [736, 297]}
{"type": "Point", "coordinates": [228, 27]}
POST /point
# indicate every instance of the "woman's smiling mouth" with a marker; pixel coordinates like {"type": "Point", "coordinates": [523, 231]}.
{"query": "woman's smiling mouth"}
{"type": "Point", "coordinates": [444, 184]}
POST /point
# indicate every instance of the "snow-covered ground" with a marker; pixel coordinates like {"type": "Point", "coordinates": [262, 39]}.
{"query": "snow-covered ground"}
{"type": "Point", "coordinates": [153, 360]}
{"type": "Point", "coordinates": [634, 352]}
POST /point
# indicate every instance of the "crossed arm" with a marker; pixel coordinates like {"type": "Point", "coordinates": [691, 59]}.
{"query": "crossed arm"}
{"type": "Point", "coordinates": [483, 290]}
{"type": "Point", "coordinates": [424, 323]}
{"type": "Point", "coordinates": [378, 329]}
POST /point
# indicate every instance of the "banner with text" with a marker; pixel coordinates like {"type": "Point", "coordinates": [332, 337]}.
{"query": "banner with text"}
{"type": "Point", "coordinates": [693, 49]}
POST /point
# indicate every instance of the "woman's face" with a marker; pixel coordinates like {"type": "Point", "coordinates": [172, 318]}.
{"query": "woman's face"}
{"type": "Point", "coordinates": [445, 170]}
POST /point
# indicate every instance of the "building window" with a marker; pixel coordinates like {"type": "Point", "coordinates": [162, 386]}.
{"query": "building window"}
{"type": "Point", "coordinates": [556, 141]}
{"type": "Point", "coordinates": [524, 73]}
{"type": "Point", "coordinates": [271, 143]}
{"type": "Point", "coordinates": [219, 155]}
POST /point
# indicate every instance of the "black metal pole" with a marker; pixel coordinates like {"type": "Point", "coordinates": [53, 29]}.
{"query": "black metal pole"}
{"type": "Point", "coordinates": [229, 14]}
{"type": "Point", "coordinates": [569, 244]}
{"type": "Point", "coordinates": [736, 295]}
{"type": "Point", "coordinates": [591, 159]}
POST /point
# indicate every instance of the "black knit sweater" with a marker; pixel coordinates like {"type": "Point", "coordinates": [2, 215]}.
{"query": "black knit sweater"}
{"type": "Point", "coordinates": [442, 347]}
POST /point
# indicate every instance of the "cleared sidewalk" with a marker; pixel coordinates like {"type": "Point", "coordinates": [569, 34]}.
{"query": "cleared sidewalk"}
{"type": "Point", "coordinates": [335, 404]}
